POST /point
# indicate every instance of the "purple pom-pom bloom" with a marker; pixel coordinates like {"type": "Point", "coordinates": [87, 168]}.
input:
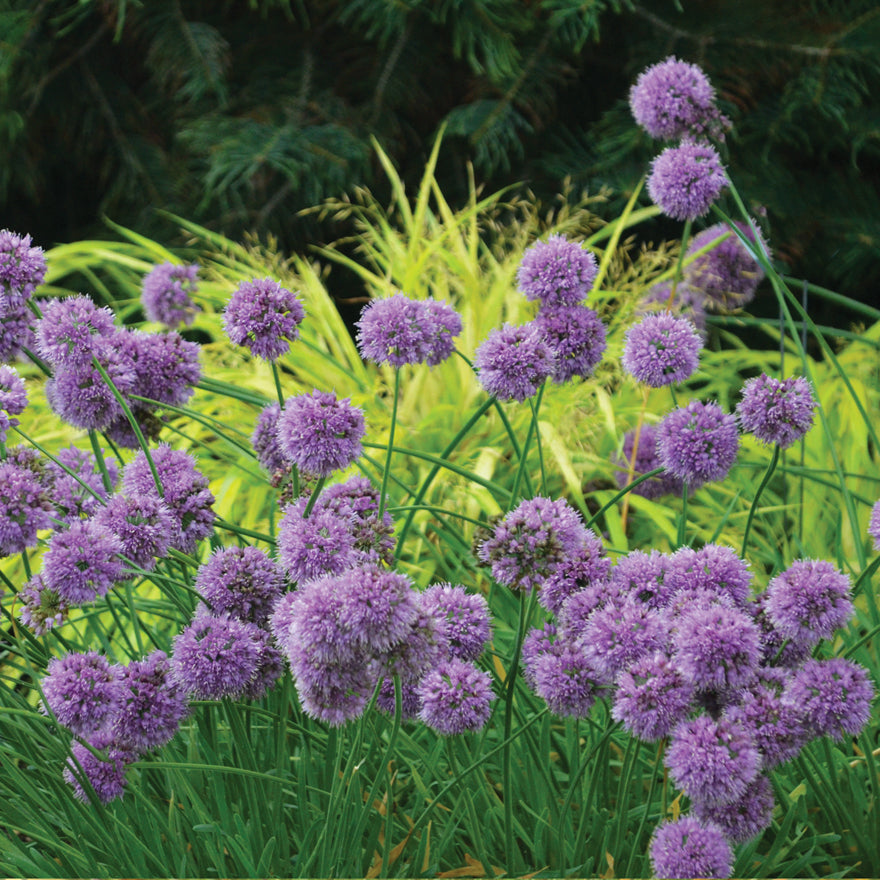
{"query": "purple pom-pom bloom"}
{"type": "Point", "coordinates": [72, 500]}
{"type": "Point", "coordinates": [586, 568]}
{"type": "Point", "coordinates": [646, 460]}
{"type": "Point", "coordinates": [13, 399]}
{"type": "Point", "coordinates": [874, 525]}
{"type": "Point", "coordinates": [167, 294]}
{"type": "Point", "coordinates": [144, 525]}
{"type": "Point", "coordinates": [263, 316]}
{"type": "Point", "coordinates": [745, 817]}
{"type": "Point", "coordinates": [809, 601]}
{"type": "Point", "coordinates": [462, 621]}
{"type": "Point", "coordinates": [70, 330]}
{"type": "Point", "coordinates": [538, 642]}
{"type": "Point", "coordinates": [714, 568]}
{"type": "Point", "coordinates": [513, 362]}
{"type": "Point", "coordinates": [357, 499]}
{"type": "Point", "coordinates": [661, 350]}
{"type": "Point", "coordinates": [83, 691]}
{"type": "Point", "coordinates": [576, 336]}
{"type": "Point", "coordinates": [651, 697]}
{"type": "Point", "coordinates": [456, 697]}
{"type": "Point", "coordinates": [698, 442]}
{"type": "Point", "coordinates": [22, 269]}
{"type": "Point", "coordinates": [319, 433]}
{"type": "Point", "coordinates": [777, 410]}
{"type": "Point", "coordinates": [265, 440]}
{"type": "Point", "coordinates": [166, 366]}
{"type": "Point", "coordinates": [642, 576]}
{"type": "Point", "coordinates": [41, 609]}
{"type": "Point", "coordinates": [309, 547]}
{"type": "Point", "coordinates": [674, 99]}
{"type": "Point", "coordinates": [687, 848]}
{"type": "Point", "coordinates": [557, 272]}
{"type": "Point", "coordinates": [106, 775]}
{"type": "Point", "coordinates": [23, 509]}
{"type": "Point", "coordinates": [566, 681]}
{"type": "Point", "coordinates": [686, 180]}
{"type": "Point", "coordinates": [16, 331]}
{"type": "Point", "coordinates": [833, 695]}
{"type": "Point", "coordinates": [531, 541]}
{"type": "Point", "coordinates": [712, 760]}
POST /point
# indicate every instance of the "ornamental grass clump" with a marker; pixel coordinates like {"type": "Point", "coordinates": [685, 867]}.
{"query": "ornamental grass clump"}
{"type": "Point", "coordinates": [505, 581]}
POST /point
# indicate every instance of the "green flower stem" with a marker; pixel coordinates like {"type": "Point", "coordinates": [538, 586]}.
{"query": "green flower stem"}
{"type": "Point", "coordinates": [533, 427]}
{"type": "Point", "coordinates": [682, 520]}
{"type": "Point", "coordinates": [685, 237]}
{"type": "Point", "coordinates": [99, 459]}
{"type": "Point", "coordinates": [383, 492]}
{"type": "Point", "coordinates": [314, 497]}
{"type": "Point", "coordinates": [623, 493]}
{"type": "Point", "coordinates": [753, 509]}
{"type": "Point", "coordinates": [225, 389]}
{"type": "Point", "coordinates": [241, 530]}
{"type": "Point", "coordinates": [538, 446]}
{"type": "Point", "coordinates": [276, 375]}
{"type": "Point", "coordinates": [474, 821]}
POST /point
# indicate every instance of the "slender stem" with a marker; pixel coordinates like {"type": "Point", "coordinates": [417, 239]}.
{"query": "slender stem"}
{"type": "Point", "coordinates": [682, 522]}
{"type": "Point", "coordinates": [753, 509]}
{"type": "Point", "coordinates": [631, 471]}
{"type": "Point", "coordinates": [314, 497]}
{"type": "Point", "coordinates": [99, 460]}
{"type": "Point", "coordinates": [533, 424]}
{"type": "Point", "coordinates": [387, 471]}
{"type": "Point", "coordinates": [673, 288]}
{"type": "Point", "coordinates": [534, 405]}
{"type": "Point", "coordinates": [277, 377]}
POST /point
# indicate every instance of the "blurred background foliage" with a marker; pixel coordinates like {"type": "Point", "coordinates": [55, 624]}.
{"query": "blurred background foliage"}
{"type": "Point", "coordinates": [239, 114]}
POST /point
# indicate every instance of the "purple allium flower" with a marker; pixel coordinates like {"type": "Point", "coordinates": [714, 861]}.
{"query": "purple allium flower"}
{"type": "Point", "coordinates": [120, 431]}
{"type": "Point", "coordinates": [82, 562]}
{"type": "Point", "coordinates": [83, 691]}
{"type": "Point", "coordinates": [41, 609]}
{"type": "Point", "coordinates": [410, 700]}
{"type": "Point", "coordinates": [566, 681]}
{"type": "Point", "coordinates": [776, 411]}
{"type": "Point", "coordinates": [13, 399]}
{"type": "Point", "coordinates": [586, 568]}
{"type": "Point", "coordinates": [456, 697]}
{"type": "Point", "coordinates": [16, 332]}
{"type": "Point", "coordinates": [651, 697]}
{"type": "Point", "coordinates": [686, 180]}
{"type": "Point", "coordinates": [282, 617]}
{"type": "Point", "coordinates": [334, 692]}
{"type": "Point", "coordinates": [662, 350]}
{"type": "Point", "coordinates": [778, 650]}
{"type": "Point", "coordinates": [698, 443]}
{"type": "Point", "coordinates": [186, 492]}
{"type": "Point", "coordinates": [687, 848]}
{"type": "Point", "coordinates": [263, 316]}
{"type": "Point", "coordinates": [642, 576]}
{"type": "Point", "coordinates": [714, 568]}
{"type": "Point", "coordinates": [72, 500]}
{"type": "Point", "coordinates": [809, 600]}
{"type": "Point", "coordinates": [399, 330]}
{"type": "Point", "coordinates": [619, 633]}
{"type": "Point", "coordinates": [557, 272]}
{"type": "Point", "coordinates": [105, 775]}
{"type": "Point", "coordinates": [217, 656]}
{"type": "Point", "coordinates": [688, 302]}
{"type": "Point", "coordinates": [358, 500]}
{"type": "Point", "coordinates": [166, 365]}
{"type": "Point", "coordinates": [167, 293]}
{"type": "Point", "coordinates": [269, 669]}
{"type": "Point", "coordinates": [462, 619]}
{"type": "Point", "coordinates": [71, 329]}
{"type": "Point", "coordinates": [531, 541]}
{"type": "Point", "coordinates": [746, 817]}
{"type": "Point", "coordinates": [646, 460]}
{"type": "Point", "coordinates": [154, 704]}
{"type": "Point", "coordinates": [717, 648]}
{"type": "Point", "coordinates": [22, 269]}
{"type": "Point", "coordinates": [874, 525]}
{"type": "Point", "coordinates": [320, 433]}
{"type": "Point", "coordinates": [728, 275]}
{"type": "Point", "coordinates": [307, 627]}
{"type": "Point", "coordinates": [576, 337]}
{"type": "Point", "coordinates": [241, 581]}
{"type": "Point", "coordinates": [144, 525]}
{"type": "Point", "coordinates": [713, 760]}
{"type": "Point", "coordinates": [673, 99]}
{"type": "Point", "coordinates": [309, 547]}
{"type": "Point", "coordinates": [265, 440]}
{"type": "Point", "coordinates": [538, 642]}
{"type": "Point", "coordinates": [23, 509]}
{"type": "Point", "coordinates": [513, 362]}
{"type": "Point", "coordinates": [833, 695]}
{"type": "Point", "coordinates": [578, 608]}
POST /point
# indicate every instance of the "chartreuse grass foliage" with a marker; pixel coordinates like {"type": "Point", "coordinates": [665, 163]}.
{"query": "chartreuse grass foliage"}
{"type": "Point", "coordinates": [258, 788]}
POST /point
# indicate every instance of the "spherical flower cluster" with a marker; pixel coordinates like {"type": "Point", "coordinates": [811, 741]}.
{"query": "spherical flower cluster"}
{"type": "Point", "coordinates": [688, 848]}
{"type": "Point", "coordinates": [575, 336]}
{"type": "Point", "coordinates": [531, 541]}
{"type": "Point", "coordinates": [714, 568]}
{"type": "Point", "coordinates": [166, 366]}
{"type": "Point", "coordinates": [357, 501]}
{"type": "Point", "coordinates": [144, 525]}
{"type": "Point", "coordinates": [456, 697]}
{"type": "Point", "coordinates": [686, 180]}
{"type": "Point", "coordinates": [83, 691]}
{"type": "Point", "coordinates": [513, 362]}
{"type": "Point", "coordinates": [662, 350]}
{"type": "Point", "coordinates": [698, 443]}
{"type": "Point", "coordinates": [263, 316]}
{"type": "Point", "coordinates": [777, 411]}
{"type": "Point", "coordinates": [585, 568]}
{"type": "Point", "coordinates": [41, 609]}
{"type": "Point", "coordinates": [674, 99]}
{"type": "Point", "coordinates": [24, 508]}
{"type": "Point", "coordinates": [103, 775]}
{"type": "Point", "coordinates": [399, 330]}
{"type": "Point", "coordinates": [13, 399]}
{"type": "Point", "coordinates": [16, 332]}
{"type": "Point", "coordinates": [22, 269]}
{"type": "Point", "coordinates": [652, 697]}
{"type": "Point", "coordinates": [314, 545]}
{"type": "Point", "coordinates": [70, 330]}
{"type": "Point", "coordinates": [646, 460]}
{"type": "Point", "coordinates": [319, 433]}
{"type": "Point", "coordinates": [167, 293]}
{"type": "Point", "coordinates": [566, 681]}
{"type": "Point", "coordinates": [727, 276]}
{"type": "Point", "coordinates": [265, 440]}
{"type": "Point", "coordinates": [745, 817]}
{"type": "Point", "coordinates": [643, 576]}
{"type": "Point", "coordinates": [462, 621]}
{"type": "Point", "coordinates": [72, 500]}
{"type": "Point", "coordinates": [557, 272]}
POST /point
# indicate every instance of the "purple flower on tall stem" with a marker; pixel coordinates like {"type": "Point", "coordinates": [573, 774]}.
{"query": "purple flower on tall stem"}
{"type": "Point", "coordinates": [24, 507]}
{"type": "Point", "coordinates": [42, 609]}
{"type": "Point", "coordinates": [714, 568]}
{"type": "Point", "coordinates": [83, 691]}
{"type": "Point", "coordinates": [777, 411]}
{"type": "Point", "coordinates": [557, 272]}
{"type": "Point", "coordinates": [462, 621]}
{"type": "Point", "coordinates": [166, 366]}
{"type": "Point", "coordinates": [688, 848]}
{"type": "Point", "coordinates": [106, 775]}
{"type": "Point", "coordinates": [166, 294]}
{"type": "Point", "coordinates": [576, 337]}
{"type": "Point", "coordinates": [745, 817]}
{"type": "Point", "coordinates": [22, 269]}
{"type": "Point", "coordinates": [320, 544]}
{"type": "Point", "coordinates": [686, 180]}
{"type": "Point", "coordinates": [70, 330]}
{"type": "Point", "coordinates": [566, 681]}
{"type": "Point", "coordinates": [456, 697]}
{"type": "Point", "coordinates": [646, 460]}
{"type": "Point", "coordinates": [263, 316]}
{"type": "Point", "coordinates": [513, 362]}
{"type": "Point", "coordinates": [585, 568]}
{"type": "Point", "coordinates": [642, 576]}
{"type": "Point", "coordinates": [661, 350]}
{"type": "Point", "coordinates": [144, 525]}
{"type": "Point", "coordinates": [265, 440]}
{"type": "Point", "coordinates": [16, 331]}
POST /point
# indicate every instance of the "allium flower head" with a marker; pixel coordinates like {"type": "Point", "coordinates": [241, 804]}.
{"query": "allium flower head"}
{"type": "Point", "coordinates": [309, 547]}
{"type": "Point", "coordinates": [167, 293]}
{"type": "Point", "coordinates": [319, 433]}
{"type": "Point", "coordinates": [105, 775]}
{"type": "Point", "coordinates": [662, 350]}
{"type": "Point", "coordinates": [72, 500]}
{"type": "Point", "coordinates": [144, 525]}
{"type": "Point", "coordinates": [456, 698]}
{"type": "Point", "coordinates": [809, 601]}
{"type": "Point", "coordinates": [538, 642]}
{"type": "Point", "coordinates": [334, 692]}
{"type": "Point", "coordinates": [874, 525]}
{"type": "Point", "coordinates": [166, 366]}
{"type": "Point", "coordinates": [531, 541]}
{"type": "Point", "coordinates": [728, 275]}
{"type": "Point", "coordinates": [642, 576]}
{"type": "Point", "coordinates": [688, 848]}
{"type": "Point", "coordinates": [70, 329]}
{"type": "Point", "coordinates": [576, 337]}
{"type": "Point", "coordinates": [698, 442]}
{"type": "Point", "coordinates": [566, 681]}
{"type": "Point", "coordinates": [269, 669]}
{"type": "Point", "coordinates": [357, 500]}
{"type": "Point", "coordinates": [746, 817]}
{"type": "Point", "coordinates": [42, 609]}
{"type": "Point", "coordinates": [688, 302]}
{"type": "Point", "coordinates": [13, 399]}
{"type": "Point", "coordinates": [442, 325]}
{"type": "Point", "coordinates": [777, 411]}
{"type": "Point", "coordinates": [83, 691]}
{"type": "Point", "coordinates": [586, 568]}
{"type": "Point", "coordinates": [674, 99]}
{"type": "Point", "coordinates": [557, 272]}
{"type": "Point", "coordinates": [686, 180]}
{"type": "Point", "coordinates": [718, 570]}
{"type": "Point", "coordinates": [713, 760]}
{"type": "Point", "coordinates": [462, 621]}
{"type": "Point", "coordinates": [16, 332]}
{"type": "Point", "coordinates": [646, 460]}
{"type": "Point", "coordinates": [651, 697]}
{"type": "Point", "coordinates": [265, 440]}
{"type": "Point", "coordinates": [241, 581]}
{"type": "Point", "coordinates": [513, 362]}
{"type": "Point", "coordinates": [263, 316]}
{"type": "Point", "coordinates": [23, 508]}
{"type": "Point", "coordinates": [22, 269]}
